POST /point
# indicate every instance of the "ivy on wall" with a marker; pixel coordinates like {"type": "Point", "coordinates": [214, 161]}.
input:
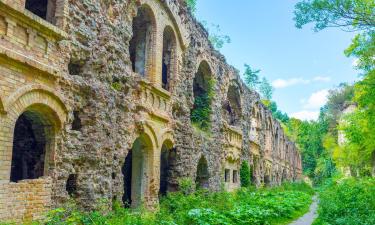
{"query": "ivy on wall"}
{"type": "Point", "coordinates": [245, 174]}
{"type": "Point", "coordinates": [200, 115]}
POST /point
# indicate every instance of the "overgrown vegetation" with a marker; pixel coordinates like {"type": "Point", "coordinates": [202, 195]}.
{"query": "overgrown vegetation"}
{"type": "Point", "coordinates": [247, 206]}
{"type": "Point", "coordinates": [201, 113]}
{"type": "Point", "coordinates": [347, 202]}
{"type": "Point", "coordinates": [245, 174]}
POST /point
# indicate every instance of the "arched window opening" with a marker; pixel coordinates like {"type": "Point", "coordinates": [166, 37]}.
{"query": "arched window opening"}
{"type": "Point", "coordinates": [167, 161]}
{"type": "Point", "coordinates": [203, 89]}
{"type": "Point", "coordinates": [33, 140]}
{"type": "Point", "coordinates": [136, 172]}
{"type": "Point", "coordinates": [201, 180]}
{"type": "Point", "coordinates": [141, 45]}
{"type": "Point", "coordinates": [169, 57]}
{"type": "Point", "coordinates": [45, 9]}
{"type": "Point", "coordinates": [232, 106]}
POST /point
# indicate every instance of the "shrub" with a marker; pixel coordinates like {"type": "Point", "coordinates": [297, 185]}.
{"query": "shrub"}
{"type": "Point", "coordinates": [186, 185]}
{"type": "Point", "coordinates": [265, 206]}
{"type": "Point", "coordinates": [348, 201]}
{"type": "Point", "coordinates": [201, 113]}
{"type": "Point", "coordinates": [245, 174]}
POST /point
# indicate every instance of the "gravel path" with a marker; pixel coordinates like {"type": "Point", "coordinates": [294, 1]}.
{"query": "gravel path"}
{"type": "Point", "coordinates": [309, 217]}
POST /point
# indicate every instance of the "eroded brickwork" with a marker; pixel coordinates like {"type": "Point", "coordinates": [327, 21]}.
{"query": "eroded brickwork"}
{"type": "Point", "coordinates": [108, 88]}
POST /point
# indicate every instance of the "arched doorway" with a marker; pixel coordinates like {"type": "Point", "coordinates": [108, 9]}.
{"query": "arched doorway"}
{"type": "Point", "coordinates": [33, 143]}
{"type": "Point", "coordinates": [167, 161]}
{"type": "Point", "coordinates": [201, 180]}
{"type": "Point", "coordinates": [169, 57]}
{"type": "Point", "coordinates": [142, 43]}
{"type": "Point", "coordinates": [202, 88]}
{"type": "Point", "coordinates": [136, 171]}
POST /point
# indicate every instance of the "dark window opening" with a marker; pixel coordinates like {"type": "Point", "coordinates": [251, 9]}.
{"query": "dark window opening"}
{"type": "Point", "coordinates": [45, 9]}
{"type": "Point", "coordinates": [227, 175]}
{"type": "Point", "coordinates": [167, 161]}
{"type": "Point", "coordinates": [168, 59]}
{"type": "Point", "coordinates": [235, 176]}
{"type": "Point", "coordinates": [29, 148]}
{"type": "Point", "coordinates": [127, 173]}
{"type": "Point", "coordinates": [71, 185]}
{"type": "Point", "coordinates": [113, 176]}
{"type": "Point", "coordinates": [140, 47]}
{"type": "Point", "coordinates": [76, 125]}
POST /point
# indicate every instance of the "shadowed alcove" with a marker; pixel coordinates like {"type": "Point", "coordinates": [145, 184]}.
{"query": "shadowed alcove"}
{"type": "Point", "coordinates": [33, 141]}
{"type": "Point", "coordinates": [141, 44]}
{"type": "Point", "coordinates": [201, 180]}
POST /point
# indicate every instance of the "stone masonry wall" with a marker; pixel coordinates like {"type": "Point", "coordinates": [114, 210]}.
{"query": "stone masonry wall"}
{"type": "Point", "coordinates": [75, 78]}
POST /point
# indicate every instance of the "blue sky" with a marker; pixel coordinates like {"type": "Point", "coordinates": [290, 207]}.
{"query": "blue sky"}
{"type": "Point", "coordinates": [302, 65]}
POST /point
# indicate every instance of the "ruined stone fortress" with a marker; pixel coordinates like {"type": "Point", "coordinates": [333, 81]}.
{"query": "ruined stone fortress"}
{"type": "Point", "coordinates": [96, 98]}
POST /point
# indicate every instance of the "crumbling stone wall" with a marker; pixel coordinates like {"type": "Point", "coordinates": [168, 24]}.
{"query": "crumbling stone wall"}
{"type": "Point", "coordinates": [77, 74]}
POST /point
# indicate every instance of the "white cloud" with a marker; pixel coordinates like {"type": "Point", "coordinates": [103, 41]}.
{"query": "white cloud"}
{"type": "Point", "coordinates": [283, 83]}
{"type": "Point", "coordinates": [317, 99]}
{"type": "Point", "coordinates": [322, 79]}
{"type": "Point", "coordinates": [306, 115]}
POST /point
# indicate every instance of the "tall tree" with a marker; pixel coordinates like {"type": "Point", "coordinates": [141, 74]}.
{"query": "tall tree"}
{"type": "Point", "coordinates": [251, 77]}
{"type": "Point", "coordinates": [266, 89]}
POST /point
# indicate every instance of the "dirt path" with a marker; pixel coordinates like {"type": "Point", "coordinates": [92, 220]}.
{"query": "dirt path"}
{"type": "Point", "coordinates": [309, 217]}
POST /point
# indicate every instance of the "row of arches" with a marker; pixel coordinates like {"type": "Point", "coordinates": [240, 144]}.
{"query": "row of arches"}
{"type": "Point", "coordinates": [142, 49]}
{"type": "Point", "coordinates": [138, 165]}
{"type": "Point", "coordinates": [142, 55]}
{"type": "Point", "coordinates": [37, 124]}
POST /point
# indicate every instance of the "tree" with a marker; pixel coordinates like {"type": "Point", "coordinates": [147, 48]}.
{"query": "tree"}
{"type": "Point", "coordinates": [358, 15]}
{"type": "Point", "coordinates": [251, 77]}
{"type": "Point", "coordinates": [349, 15]}
{"type": "Point", "coordinates": [192, 5]}
{"type": "Point", "coordinates": [215, 37]}
{"type": "Point", "coordinates": [278, 114]}
{"type": "Point", "coordinates": [266, 89]}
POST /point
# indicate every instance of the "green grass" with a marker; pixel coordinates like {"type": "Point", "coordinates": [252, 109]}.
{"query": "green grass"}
{"type": "Point", "coordinates": [347, 202]}
{"type": "Point", "coordinates": [279, 205]}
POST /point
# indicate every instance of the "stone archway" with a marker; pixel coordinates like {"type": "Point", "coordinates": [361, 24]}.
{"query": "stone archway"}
{"type": "Point", "coordinates": [232, 106]}
{"type": "Point", "coordinates": [42, 114]}
{"type": "Point", "coordinates": [142, 44]}
{"type": "Point", "coordinates": [200, 114]}
{"type": "Point", "coordinates": [169, 57]}
{"type": "Point", "coordinates": [33, 141]}
{"type": "Point", "coordinates": [137, 171]}
{"type": "Point", "coordinates": [202, 177]}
